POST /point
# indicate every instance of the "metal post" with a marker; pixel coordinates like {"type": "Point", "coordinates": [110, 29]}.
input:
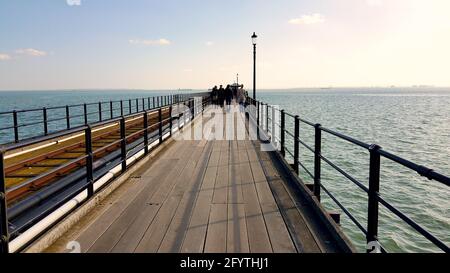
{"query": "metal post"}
{"type": "Point", "coordinates": [257, 120]}
{"type": "Point", "coordinates": [121, 108]}
{"type": "Point", "coordinates": [85, 114]}
{"type": "Point", "coordinates": [282, 133]}
{"type": "Point", "coordinates": [16, 127]}
{"type": "Point", "coordinates": [296, 144]}
{"type": "Point", "coordinates": [374, 187]}
{"type": "Point", "coordinates": [274, 140]}
{"type": "Point", "coordinates": [4, 234]}
{"type": "Point", "coordinates": [160, 125]}
{"type": "Point", "coordinates": [254, 71]}
{"type": "Point", "coordinates": [129, 106]}
{"type": "Point", "coordinates": [148, 103]}
{"type": "Point", "coordinates": [111, 110]}
{"type": "Point", "coordinates": [192, 109]}
{"type": "Point", "coordinates": [143, 104]}
{"type": "Point", "coordinates": [89, 161]}
{"type": "Point", "coordinates": [67, 117]}
{"type": "Point", "coordinates": [44, 114]}
{"type": "Point", "coordinates": [153, 104]}
{"type": "Point", "coordinates": [123, 145]}
{"type": "Point", "coordinates": [170, 120]}
{"type": "Point", "coordinates": [317, 160]}
{"type": "Point", "coordinates": [145, 132]}
{"type": "Point", "coordinates": [99, 111]}
{"type": "Point", "coordinates": [267, 118]}
{"type": "Point", "coordinates": [137, 105]}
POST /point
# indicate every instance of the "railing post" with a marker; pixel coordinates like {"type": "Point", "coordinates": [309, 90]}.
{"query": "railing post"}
{"type": "Point", "coordinates": [44, 114]}
{"type": "Point", "coordinates": [374, 188]}
{"type": "Point", "coordinates": [267, 118]}
{"type": "Point", "coordinates": [85, 114]}
{"type": "Point", "coordinates": [67, 117]}
{"type": "Point", "coordinates": [296, 144]}
{"type": "Point", "coordinates": [148, 103]}
{"type": "Point", "coordinates": [4, 234]}
{"type": "Point", "coordinates": [16, 127]}
{"type": "Point", "coordinates": [145, 132]}
{"type": "Point", "coordinates": [153, 104]}
{"type": "Point", "coordinates": [99, 111]}
{"type": "Point", "coordinates": [111, 110]}
{"type": "Point", "coordinates": [274, 140]}
{"type": "Point", "coordinates": [123, 145]}
{"type": "Point", "coordinates": [160, 125]}
{"type": "Point", "coordinates": [121, 108]}
{"type": "Point", "coordinates": [170, 120]}
{"type": "Point", "coordinates": [143, 104]}
{"type": "Point", "coordinates": [129, 106]}
{"type": "Point", "coordinates": [137, 105]}
{"type": "Point", "coordinates": [89, 161]}
{"type": "Point", "coordinates": [192, 109]}
{"type": "Point", "coordinates": [257, 120]}
{"type": "Point", "coordinates": [317, 159]}
{"type": "Point", "coordinates": [282, 133]}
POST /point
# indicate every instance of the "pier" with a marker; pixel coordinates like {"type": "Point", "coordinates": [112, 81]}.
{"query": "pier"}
{"type": "Point", "coordinates": [145, 181]}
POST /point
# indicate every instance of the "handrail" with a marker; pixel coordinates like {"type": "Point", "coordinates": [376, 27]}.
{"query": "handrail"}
{"type": "Point", "coordinates": [135, 105]}
{"type": "Point", "coordinates": [372, 191]}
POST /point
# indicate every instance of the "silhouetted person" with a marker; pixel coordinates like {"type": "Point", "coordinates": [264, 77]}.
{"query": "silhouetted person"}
{"type": "Point", "coordinates": [214, 95]}
{"type": "Point", "coordinates": [228, 94]}
{"type": "Point", "coordinates": [221, 95]}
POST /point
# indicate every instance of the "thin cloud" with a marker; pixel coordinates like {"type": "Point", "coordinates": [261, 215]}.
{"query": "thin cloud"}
{"type": "Point", "coordinates": [31, 52]}
{"type": "Point", "coordinates": [209, 43]}
{"type": "Point", "coordinates": [4, 57]}
{"type": "Point", "coordinates": [161, 41]}
{"type": "Point", "coordinates": [308, 19]}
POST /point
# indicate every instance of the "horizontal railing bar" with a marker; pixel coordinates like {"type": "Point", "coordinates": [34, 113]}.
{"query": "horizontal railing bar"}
{"type": "Point", "coordinates": [359, 184]}
{"type": "Point", "coordinates": [356, 222]}
{"type": "Point", "coordinates": [306, 145]}
{"type": "Point", "coordinates": [347, 138]}
{"type": "Point", "coordinates": [306, 170]}
{"type": "Point", "coordinates": [414, 225]}
{"type": "Point", "coordinates": [423, 171]}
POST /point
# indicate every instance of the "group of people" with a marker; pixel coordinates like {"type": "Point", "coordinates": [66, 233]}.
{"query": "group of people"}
{"type": "Point", "coordinates": [221, 96]}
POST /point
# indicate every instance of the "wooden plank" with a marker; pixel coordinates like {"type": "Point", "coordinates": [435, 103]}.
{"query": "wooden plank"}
{"type": "Point", "coordinates": [155, 233]}
{"type": "Point", "coordinates": [300, 233]}
{"type": "Point", "coordinates": [89, 236]}
{"type": "Point", "coordinates": [237, 238]}
{"type": "Point", "coordinates": [115, 231]}
{"type": "Point", "coordinates": [216, 241]}
{"type": "Point", "coordinates": [175, 234]}
{"type": "Point", "coordinates": [256, 228]}
{"type": "Point", "coordinates": [221, 186]}
{"type": "Point", "coordinates": [196, 233]}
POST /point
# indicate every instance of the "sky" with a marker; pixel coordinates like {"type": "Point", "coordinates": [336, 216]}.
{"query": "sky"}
{"type": "Point", "coordinates": [195, 44]}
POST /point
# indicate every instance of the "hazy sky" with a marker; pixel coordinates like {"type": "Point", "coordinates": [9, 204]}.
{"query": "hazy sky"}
{"type": "Point", "coordinates": [154, 44]}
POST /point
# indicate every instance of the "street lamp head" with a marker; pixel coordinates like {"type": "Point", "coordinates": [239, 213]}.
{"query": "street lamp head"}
{"type": "Point", "coordinates": [254, 38]}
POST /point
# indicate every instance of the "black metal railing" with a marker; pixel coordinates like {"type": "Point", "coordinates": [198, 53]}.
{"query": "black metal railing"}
{"type": "Point", "coordinates": [127, 146]}
{"type": "Point", "coordinates": [25, 122]}
{"type": "Point", "coordinates": [373, 190]}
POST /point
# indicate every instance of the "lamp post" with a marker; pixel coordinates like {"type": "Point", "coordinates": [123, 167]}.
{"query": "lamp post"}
{"type": "Point", "coordinates": [254, 64]}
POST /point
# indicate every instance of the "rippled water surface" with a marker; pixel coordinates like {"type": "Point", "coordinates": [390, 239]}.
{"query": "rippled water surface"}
{"type": "Point", "coordinates": [411, 123]}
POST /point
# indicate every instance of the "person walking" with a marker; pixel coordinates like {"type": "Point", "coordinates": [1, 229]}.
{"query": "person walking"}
{"type": "Point", "coordinates": [221, 95]}
{"type": "Point", "coordinates": [214, 95]}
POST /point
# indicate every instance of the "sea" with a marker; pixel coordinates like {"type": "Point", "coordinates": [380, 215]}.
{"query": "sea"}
{"type": "Point", "coordinates": [413, 123]}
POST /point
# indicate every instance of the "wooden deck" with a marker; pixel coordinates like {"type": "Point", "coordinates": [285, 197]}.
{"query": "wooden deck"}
{"type": "Point", "coordinates": [203, 196]}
